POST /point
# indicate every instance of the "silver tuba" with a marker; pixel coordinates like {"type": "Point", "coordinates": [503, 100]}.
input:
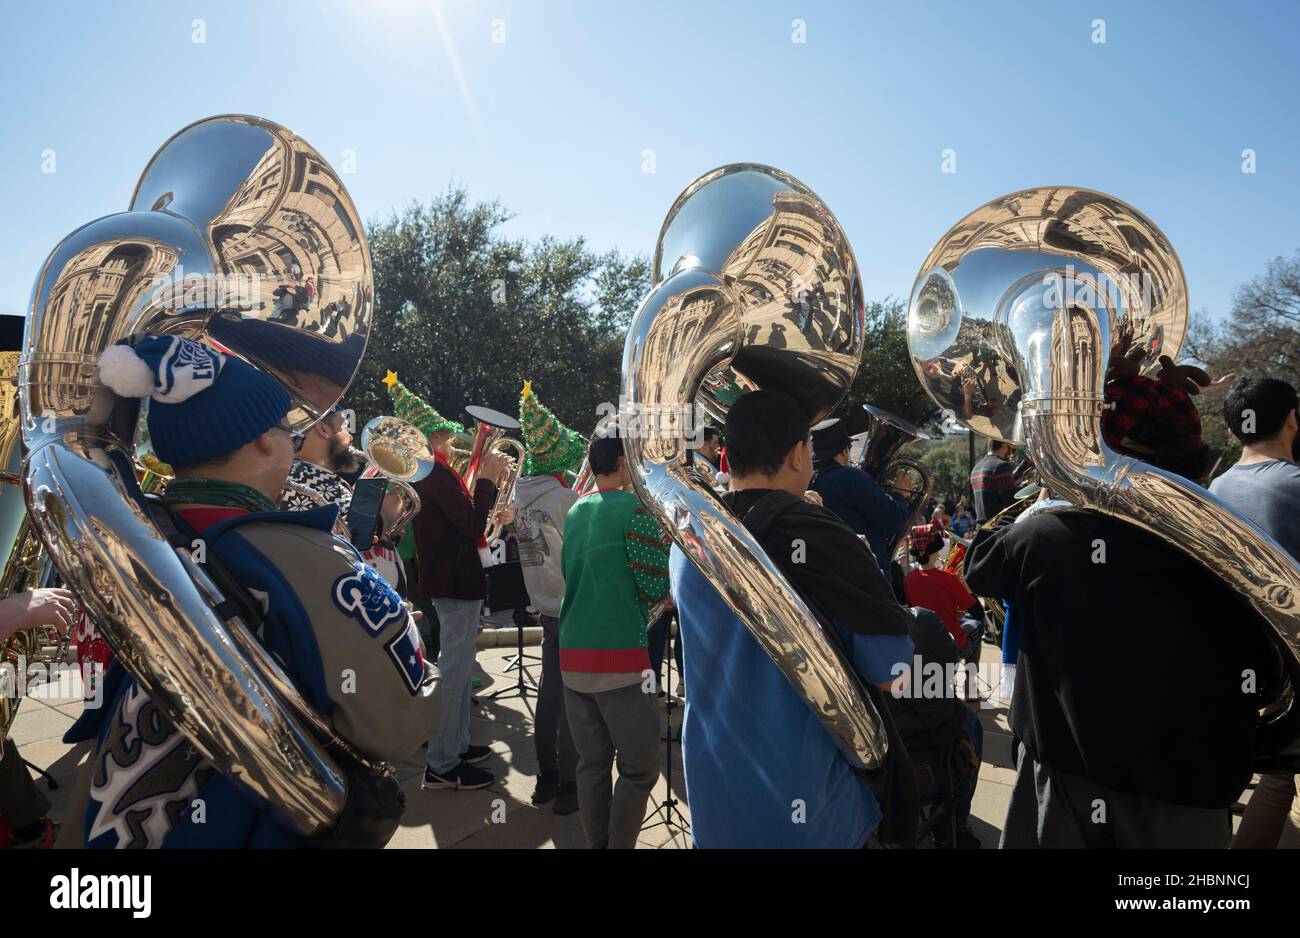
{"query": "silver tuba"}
{"type": "Point", "coordinates": [1032, 290]}
{"type": "Point", "coordinates": [239, 234]}
{"type": "Point", "coordinates": [755, 287]}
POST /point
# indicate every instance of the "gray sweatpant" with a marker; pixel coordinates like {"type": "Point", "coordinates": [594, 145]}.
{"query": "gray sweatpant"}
{"type": "Point", "coordinates": [1060, 810]}
{"type": "Point", "coordinates": [626, 722]}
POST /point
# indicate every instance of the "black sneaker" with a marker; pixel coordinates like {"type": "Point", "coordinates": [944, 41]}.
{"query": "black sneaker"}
{"type": "Point", "coordinates": [567, 801]}
{"type": "Point", "coordinates": [548, 786]}
{"type": "Point", "coordinates": [462, 778]}
{"type": "Point", "coordinates": [475, 754]}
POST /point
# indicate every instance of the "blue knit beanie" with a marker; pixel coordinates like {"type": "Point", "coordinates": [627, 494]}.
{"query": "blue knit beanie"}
{"type": "Point", "coordinates": [203, 404]}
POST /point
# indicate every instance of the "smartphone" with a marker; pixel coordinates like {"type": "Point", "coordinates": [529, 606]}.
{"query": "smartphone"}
{"type": "Point", "coordinates": [363, 515]}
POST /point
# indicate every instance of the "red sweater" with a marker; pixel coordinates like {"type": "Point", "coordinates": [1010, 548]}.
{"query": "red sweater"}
{"type": "Point", "coordinates": [447, 530]}
{"type": "Point", "coordinates": [942, 592]}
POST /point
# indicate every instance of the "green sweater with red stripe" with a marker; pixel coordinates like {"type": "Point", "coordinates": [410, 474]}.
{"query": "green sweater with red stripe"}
{"type": "Point", "coordinates": [615, 561]}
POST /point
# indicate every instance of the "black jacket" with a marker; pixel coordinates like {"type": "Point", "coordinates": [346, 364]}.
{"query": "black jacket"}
{"type": "Point", "coordinates": [1132, 659]}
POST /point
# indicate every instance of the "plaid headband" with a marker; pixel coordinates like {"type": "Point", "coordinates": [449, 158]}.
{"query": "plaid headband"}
{"type": "Point", "coordinates": [1151, 417]}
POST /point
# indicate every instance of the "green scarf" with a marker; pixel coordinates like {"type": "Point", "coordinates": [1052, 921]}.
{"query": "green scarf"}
{"type": "Point", "coordinates": [196, 490]}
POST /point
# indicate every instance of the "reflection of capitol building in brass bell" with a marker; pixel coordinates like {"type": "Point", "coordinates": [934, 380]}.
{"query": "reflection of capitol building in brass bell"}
{"type": "Point", "coordinates": [755, 287]}
{"type": "Point", "coordinates": [230, 207]}
{"type": "Point", "coordinates": [1043, 285]}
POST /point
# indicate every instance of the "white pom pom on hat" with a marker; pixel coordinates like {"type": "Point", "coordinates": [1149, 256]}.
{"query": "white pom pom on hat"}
{"type": "Point", "coordinates": [125, 372]}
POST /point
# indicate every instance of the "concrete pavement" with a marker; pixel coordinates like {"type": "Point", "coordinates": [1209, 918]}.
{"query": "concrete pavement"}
{"type": "Point", "coordinates": [502, 816]}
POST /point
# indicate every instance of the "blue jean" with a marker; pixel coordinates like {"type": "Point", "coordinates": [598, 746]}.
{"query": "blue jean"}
{"type": "Point", "coordinates": [458, 627]}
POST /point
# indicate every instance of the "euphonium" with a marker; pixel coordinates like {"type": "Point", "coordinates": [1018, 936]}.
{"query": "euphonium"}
{"type": "Point", "coordinates": [755, 286]}
{"type": "Point", "coordinates": [1042, 281]}
{"type": "Point", "coordinates": [886, 437]}
{"type": "Point", "coordinates": [400, 453]}
{"type": "Point", "coordinates": [490, 437]}
{"type": "Point", "coordinates": [228, 210]}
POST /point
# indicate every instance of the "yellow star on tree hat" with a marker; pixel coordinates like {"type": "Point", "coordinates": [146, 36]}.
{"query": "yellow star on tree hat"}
{"type": "Point", "coordinates": [549, 445]}
{"type": "Point", "coordinates": [416, 411]}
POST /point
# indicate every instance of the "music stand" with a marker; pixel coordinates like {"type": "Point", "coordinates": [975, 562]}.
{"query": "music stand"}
{"type": "Point", "coordinates": [506, 590]}
{"type": "Point", "coordinates": [519, 688]}
{"type": "Point", "coordinates": [670, 816]}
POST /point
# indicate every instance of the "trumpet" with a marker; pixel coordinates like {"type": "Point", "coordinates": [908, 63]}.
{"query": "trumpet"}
{"type": "Point", "coordinates": [490, 437]}
{"type": "Point", "coordinates": [584, 479]}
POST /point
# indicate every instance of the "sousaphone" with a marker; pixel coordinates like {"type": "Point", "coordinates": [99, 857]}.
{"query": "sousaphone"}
{"type": "Point", "coordinates": [240, 235]}
{"type": "Point", "coordinates": [1030, 292]}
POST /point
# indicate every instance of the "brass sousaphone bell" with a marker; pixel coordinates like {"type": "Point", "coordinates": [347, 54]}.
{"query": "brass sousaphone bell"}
{"type": "Point", "coordinates": [1031, 292]}
{"type": "Point", "coordinates": [887, 436]}
{"type": "Point", "coordinates": [239, 234]}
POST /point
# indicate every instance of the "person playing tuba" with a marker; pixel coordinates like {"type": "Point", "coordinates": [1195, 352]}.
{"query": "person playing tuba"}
{"type": "Point", "coordinates": [340, 632]}
{"type": "Point", "coordinates": [1162, 733]}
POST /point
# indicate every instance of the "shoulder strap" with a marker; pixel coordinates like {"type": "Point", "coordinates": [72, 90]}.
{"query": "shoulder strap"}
{"type": "Point", "coordinates": [759, 516]}
{"type": "Point", "coordinates": [236, 600]}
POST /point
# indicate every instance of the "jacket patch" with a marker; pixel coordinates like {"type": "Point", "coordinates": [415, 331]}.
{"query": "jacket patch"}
{"type": "Point", "coordinates": [366, 596]}
{"type": "Point", "coordinates": [407, 655]}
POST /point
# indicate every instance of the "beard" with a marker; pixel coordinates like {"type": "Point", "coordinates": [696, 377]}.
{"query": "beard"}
{"type": "Point", "coordinates": [340, 457]}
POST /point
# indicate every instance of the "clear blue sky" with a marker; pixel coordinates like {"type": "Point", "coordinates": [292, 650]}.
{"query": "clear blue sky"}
{"type": "Point", "coordinates": [554, 120]}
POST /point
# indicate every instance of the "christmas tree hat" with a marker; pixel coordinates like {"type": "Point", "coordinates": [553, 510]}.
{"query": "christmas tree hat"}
{"type": "Point", "coordinates": [549, 445]}
{"type": "Point", "coordinates": [416, 411]}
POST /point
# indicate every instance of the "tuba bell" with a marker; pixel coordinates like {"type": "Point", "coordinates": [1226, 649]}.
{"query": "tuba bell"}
{"type": "Point", "coordinates": [755, 286]}
{"type": "Point", "coordinates": [229, 211]}
{"type": "Point", "coordinates": [1032, 290]}
{"type": "Point", "coordinates": [887, 435]}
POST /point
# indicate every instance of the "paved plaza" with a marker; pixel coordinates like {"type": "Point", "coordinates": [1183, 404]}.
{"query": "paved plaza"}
{"type": "Point", "coordinates": [501, 816]}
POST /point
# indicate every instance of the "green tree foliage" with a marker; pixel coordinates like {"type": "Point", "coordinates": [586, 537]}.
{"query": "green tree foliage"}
{"type": "Point", "coordinates": [886, 378]}
{"type": "Point", "coordinates": [464, 314]}
{"type": "Point", "coordinates": [1259, 338]}
{"type": "Point", "coordinates": [948, 464]}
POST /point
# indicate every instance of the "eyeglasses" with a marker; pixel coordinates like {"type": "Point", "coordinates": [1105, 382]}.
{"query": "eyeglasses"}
{"type": "Point", "coordinates": [296, 438]}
